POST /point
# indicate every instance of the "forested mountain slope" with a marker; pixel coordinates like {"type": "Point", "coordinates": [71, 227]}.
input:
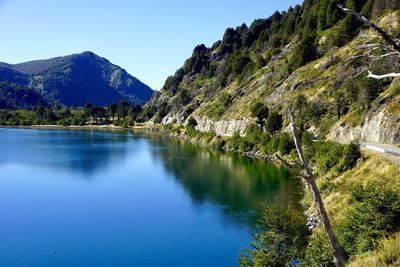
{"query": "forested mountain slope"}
{"type": "Point", "coordinates": [308, 57]}
{"type": "Point", "coordinates": [76, 80]}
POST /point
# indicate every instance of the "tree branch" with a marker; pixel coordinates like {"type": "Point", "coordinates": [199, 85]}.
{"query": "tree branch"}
{"type": "Point", "coordinates": [379, 77]}
{"type": "Point", "coordinates": [385, 36]}
{"type": "Point", "coordinates": [310, 180]}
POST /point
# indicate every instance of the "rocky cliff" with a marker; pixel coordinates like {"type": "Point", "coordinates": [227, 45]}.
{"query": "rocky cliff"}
{"type": "Point", "coordinates": [330, 89]}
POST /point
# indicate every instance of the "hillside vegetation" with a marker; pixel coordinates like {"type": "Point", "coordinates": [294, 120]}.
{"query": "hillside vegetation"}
{"type": "Point", "coordinates": [74, 80]}
{"type": "Point", "coordinates": [306, 56]}
{"type": "Point", "coordinates": [236, 94]}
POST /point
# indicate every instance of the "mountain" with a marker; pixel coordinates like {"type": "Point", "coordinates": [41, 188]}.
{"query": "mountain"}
{"type": "Point", "coordinates": [16, 96]}
{"type": "Point", "coordinates": [307, 57]}
{"type": "Point", "coordinates": [313, 59]}
{"type": "Point", "coordinates": [76, 80]}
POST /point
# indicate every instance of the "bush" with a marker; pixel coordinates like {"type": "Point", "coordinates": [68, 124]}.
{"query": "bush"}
{"type": "Point", "coordinates": [245, 145]}
{"type": "Point", "coordinates": [286, 143]}
{"type": "Point", "coordinates": [282, 239]}
{"type": "Point", "coordinates": [352, 153]}
{"type": "Point", "coordinates": [307, 138]}
{"type": "Point", "coordinates": [260, 111]}
{"type": "Point", "coordinates": [191, 122]}
{"type": "Point", "coordinates": [234, 141]}
{"type": "Point", "coordinates": [253, 133]}
{"type": "Point", "coordinates": [374, 214]}
{"type": "Point", "coordinates": [263, 144]}
{"type": "Point", "coordinates": [318, 253]}
{"type": "Point", "coordinates": [274, 122]}
{"type": "Point", "coordinates": [273, 145]}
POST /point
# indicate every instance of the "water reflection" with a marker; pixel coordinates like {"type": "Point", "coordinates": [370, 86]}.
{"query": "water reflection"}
{"type": "Point", "coordinates": [237, 183]}
{"type": "Point", "coordinates": [103, 198]}
{"type": "Point", "coordinates": [82, 152]}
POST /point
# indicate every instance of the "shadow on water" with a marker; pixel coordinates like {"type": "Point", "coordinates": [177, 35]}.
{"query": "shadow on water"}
{"type": "Point", "coordinates": [237, 183]}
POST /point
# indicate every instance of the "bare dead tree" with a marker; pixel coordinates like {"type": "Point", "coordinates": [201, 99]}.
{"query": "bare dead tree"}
{"type": "Point", "coordinates": [392, 47]}
{"type": "Point", "coordinates": [309, 178]}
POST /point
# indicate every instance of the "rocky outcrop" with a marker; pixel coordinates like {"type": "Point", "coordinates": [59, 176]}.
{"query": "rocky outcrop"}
{"type": "Point", "coordinates": [179, 118]}
{"type": "Point", "coordinates": [382, 127]}
{"type": "Point", "coordinates": [204, 124]}
{"type": "Point", "coordinates": [223, 127]}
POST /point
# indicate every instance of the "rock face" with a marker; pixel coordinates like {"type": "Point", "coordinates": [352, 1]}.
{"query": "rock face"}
{"type": "Point", "coordinates": [382, 127]}
{"type": "Point", "coordinates": [223, 127]}
{"type": "Point", "coordinates": [204, 124]}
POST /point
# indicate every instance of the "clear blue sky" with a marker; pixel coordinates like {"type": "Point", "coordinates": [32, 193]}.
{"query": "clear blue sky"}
{"type": "Point", "coordinates": [148, 38]}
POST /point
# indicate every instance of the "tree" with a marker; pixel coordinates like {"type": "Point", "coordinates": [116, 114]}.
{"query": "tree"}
{"type": "Point", "coordinates": [305, 51]}
{"type": "Point", "coordinates": [309, 179]}
{"type": "Point", "coordinates": [274, 122]}
{"type": "Point", "coordinates": [260, 111]}
{"type": "Point", "coordinates": [88, 110]}
{"type": "Point", "coordinates": [352, 153]}
{"type": "Point", "coordinates": [121, 111]}
{"type": "Point", "coordinates": [191, 122]}
{"type": "Point", "coordinates": [282, 240]}
{"type": "Point", "coordinates": [98, 112]}
{"type": "Point", "coordinates": [134, 111]}
{"type": "Point", "coordinates": [111, 110]}
{"type": "Point", "coordinates": [390, 47]}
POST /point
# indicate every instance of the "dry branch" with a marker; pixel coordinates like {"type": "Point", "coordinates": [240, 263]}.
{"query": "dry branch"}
{"type": "Point", "coordinates": [385, 36]}
{"type": "Point", "coordinates": [387, 75]}
{"type": "Point", "coordinates": [310, 180]}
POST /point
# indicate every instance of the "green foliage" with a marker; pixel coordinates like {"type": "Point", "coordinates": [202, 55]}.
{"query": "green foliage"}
{"type": "Point", "coordinates": [374, 214]}
{"type": "Point", "coordinates": [191, 122]}
{"type": "Point", "coordinates": [253, 133]}
{"type": "Point", "coordinates": [281, 240]}
{"type": "Point", "coordinates": [304, 52]}
{"type": "Point", "coordinates": [234, 142]}
{"type": "Point", "coordinates": [14, 96]}
{"type": "Point", "coordinates": [260, 111]}
{"type": "Point", "coordinates": [318, 253]}
{"type": "Point", "coordinates": [274, 122]}
{"type": "Point", "coordinates": [79, 116]}
{"type": "Point", "coordinates": [333, 157]}
{"type": "Point", "coordinates": [351, 154]}
{"type": "Point", "coordinates": [286, 143]}
{"type": "Point", "coordinates": [307, 138]}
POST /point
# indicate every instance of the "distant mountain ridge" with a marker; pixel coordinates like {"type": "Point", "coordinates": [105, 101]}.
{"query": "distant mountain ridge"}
{"type": "Point", "coordinates": [76, 80]}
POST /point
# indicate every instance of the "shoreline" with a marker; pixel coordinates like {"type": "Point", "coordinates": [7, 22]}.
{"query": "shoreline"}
{"type": "Point", "coordinates": [274, 159]}
{"type": "Point", "coordinates": [73, 127]}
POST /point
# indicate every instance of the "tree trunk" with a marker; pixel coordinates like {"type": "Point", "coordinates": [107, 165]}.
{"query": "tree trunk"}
{"type": "Point", "coordinates": [309, 178]}
{"type": "Point", "coordinates": [385, 36]}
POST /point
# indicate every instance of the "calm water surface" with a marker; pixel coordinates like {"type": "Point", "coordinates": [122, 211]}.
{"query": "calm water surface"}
{"type": "Point", "coordinates": [98, 198]}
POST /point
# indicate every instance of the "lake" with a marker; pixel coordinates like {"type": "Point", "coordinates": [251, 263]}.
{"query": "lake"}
{"type": "Point", "coordinates": [122, 198]}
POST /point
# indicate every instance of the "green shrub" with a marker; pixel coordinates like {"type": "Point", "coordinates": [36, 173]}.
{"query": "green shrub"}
{"type": "Point", "coordinates": [281, 240]}
{"type": "Point", "coordinates": [253, 133]}
{"type": "Point", "coordinates": [274, 122]}
{"type": "Point", "coordinates": [286, 143]}
{"type": "Point", "coordinates": [260, 111]}
{"type": "Point", "coordinates": [374, 214]}
{"type": "Point", "coordinates": [191, 122]}
{"type": "Point", "coordinates": [351, 154]}
{"type": "Point", "coordinates": [245, 145]}
{"type": "Point", "coordinates": [307, 138]}
{"type": "Point", "coordinates": [263, 144]}
{"type": "Point", "coordinates": [273, 145]}
{"type": "Point", "coordinates": [318, 253]}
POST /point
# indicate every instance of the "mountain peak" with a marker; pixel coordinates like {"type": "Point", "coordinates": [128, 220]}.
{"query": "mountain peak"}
{"type": "Point", "coordinates": [77, 79]}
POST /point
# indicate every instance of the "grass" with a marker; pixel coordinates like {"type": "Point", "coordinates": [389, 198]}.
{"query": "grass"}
{"type": "Point", "coordinates": [388, 254]}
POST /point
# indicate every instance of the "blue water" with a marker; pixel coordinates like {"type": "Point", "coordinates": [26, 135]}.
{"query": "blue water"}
{"type": "Point", "coordinates": [99, 198]}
